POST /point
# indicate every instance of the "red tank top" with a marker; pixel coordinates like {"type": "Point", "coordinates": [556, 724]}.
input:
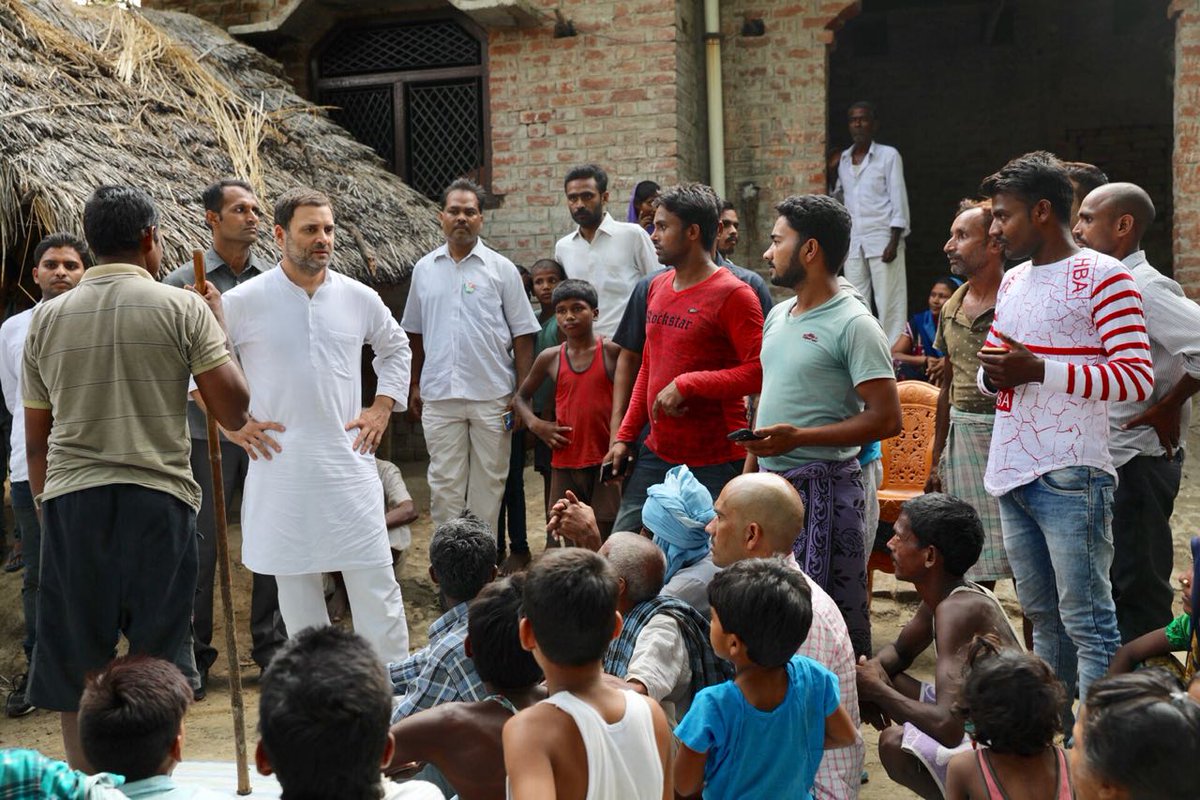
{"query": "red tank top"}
{"type": "Point", "coordinates": [583, 402]}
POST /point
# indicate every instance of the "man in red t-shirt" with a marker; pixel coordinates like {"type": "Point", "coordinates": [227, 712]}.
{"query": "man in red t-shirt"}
{"type": "Point", "coordinates": [703, 335]}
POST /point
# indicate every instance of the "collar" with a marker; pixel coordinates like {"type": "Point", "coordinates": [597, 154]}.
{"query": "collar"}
{"type": "Point", "coordinates": [149, 787]}
{"type": "Point", "coordinates": [105, 270]}
{"type": "Point", "coordinates": [213, 261]}
{"type": "Point", "coordinates": [607, 223]}
{"type": "Point", "coordinates": [448, 621]}
{"type": "Point", "coordinates": [478, 251]}
{"type": "Point", "coordinates": [849, 150]}
{"type": "Point", "coordinates": [1135, 259]}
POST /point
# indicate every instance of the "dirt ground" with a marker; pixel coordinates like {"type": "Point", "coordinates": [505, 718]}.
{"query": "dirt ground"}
{"type": "Point", "coordinates": [209, 723]}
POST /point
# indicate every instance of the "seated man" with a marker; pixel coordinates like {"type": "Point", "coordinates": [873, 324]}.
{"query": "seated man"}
{"type": "Point", "coordinates": [462, 560]}
{"type": "Point", "coordinates": [463, 739]}
{"type": "Point", "coordinates": [757, 516]}
{"type": "Point", "coordinates": [674, 515]}
{"type": "Point", "coordinates": [937, 539]}
{"type": "Point", "coordinates": [131, 724]}
{"type": "Point", "coordinates": [323, 721]}
{"type": "Point", "coordinates": [663, 649]}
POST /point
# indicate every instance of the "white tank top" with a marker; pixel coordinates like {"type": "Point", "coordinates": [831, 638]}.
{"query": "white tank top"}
{"type": "Point", "coordinates": [623, 761]}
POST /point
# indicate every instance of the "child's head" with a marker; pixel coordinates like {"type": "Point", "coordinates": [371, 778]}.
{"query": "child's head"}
{"type": "Point", "coordinates": [941, 291]}
{"type": "Point", "coordinates": [131, 717]}
{"type": "Point", "coordinates": [1011, 699]}
{"type": "Point", "coordinates": [462, 557]}
{"type": "Point", "coordinates": [939, 522]}
{"type": "Point", "coordinates": [576, 306]}
{"type": "Point", "coordinates": [569, 607]}
{"type": "Point", "coordinates": [493, 637]}
{"type": "Point", "coordinates": [1137, 737]}
{"type": "Point", "coordinates": [547, 273]}
{"type": "Point", "coordinates": [324, 711]}
{"type": "Point", "coordinates": [761, 612]}
{"type": "Point", "coordinates": [526, 278]}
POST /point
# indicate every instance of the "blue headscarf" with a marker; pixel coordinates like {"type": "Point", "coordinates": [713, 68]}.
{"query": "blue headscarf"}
{"type": "Point", "coordinates": [676, 511]}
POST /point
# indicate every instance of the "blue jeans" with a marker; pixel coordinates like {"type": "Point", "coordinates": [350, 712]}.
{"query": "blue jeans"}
{"type": "Point", "coordinates": [1058, 536]}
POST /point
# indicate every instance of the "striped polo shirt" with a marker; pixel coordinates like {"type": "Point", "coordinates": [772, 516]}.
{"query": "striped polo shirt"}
{"type": "Point", "coordinates": [111, 359]}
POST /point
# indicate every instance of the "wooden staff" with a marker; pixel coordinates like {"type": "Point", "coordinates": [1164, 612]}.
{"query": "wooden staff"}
{"type": "Point", "coordinates": [225, 573]}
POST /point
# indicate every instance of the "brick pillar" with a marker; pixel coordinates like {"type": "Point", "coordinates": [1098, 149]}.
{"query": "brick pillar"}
{"type": "Point", "coordinates": [1186, 161]}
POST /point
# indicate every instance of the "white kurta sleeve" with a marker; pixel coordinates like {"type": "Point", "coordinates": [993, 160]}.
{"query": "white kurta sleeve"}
{"type": "Point", "coordinates": [393, 356]}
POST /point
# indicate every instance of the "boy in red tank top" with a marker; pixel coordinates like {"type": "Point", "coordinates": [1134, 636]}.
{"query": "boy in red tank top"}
{"type": "Point", "coordinates": [581, 369]}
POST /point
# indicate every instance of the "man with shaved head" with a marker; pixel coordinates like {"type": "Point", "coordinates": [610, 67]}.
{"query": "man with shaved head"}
{"type": "Point", "coordinates": [1146, 436]}
{"type": "Point", "coordinates": [757, 516]}
{"type": "Point", "coordinates": [663, 650]}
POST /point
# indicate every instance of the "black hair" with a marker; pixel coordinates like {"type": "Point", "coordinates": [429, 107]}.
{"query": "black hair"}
{"type": "Point", "coordinates": [116, 217]}
{"type": "Point", "coordinates": [493, 625]}
{"type": "Point", "coordinates": [1012, 699]}
{"type": "Point", "coordinates": [463, 555]}
{"type": "Point", "coordinates": [214, 195]}
{"type": "Point", "coordinates": [694, 204]}
{"type": "Point", "coordinates": [570, 599]}
{"type": "Point", "coordinates": [464, 185]}
{"type": "Point", "coordinates": [62, 239]}
{"type": "Point", "coordinates": [766, 604]}
{"type": "Point", "coordinates": [947, 523]}
{"type": "Point", "coordinates": [948, 281]}
{"type": "Point", "coordinates": [1141, 731]}
{"type": "Point", "coordinates": [726, 205]}
{"type": "Point", "coordinates": [549, 263]}
{"type": "Point", "coordinates": [575, 289]}
{"type": "Point", "coordinates": [130, 714]}
{"type": "Point", "coordinates": [289, 201]}
{"type": "Point", "coordinates": [324, 710]}
{"type": "Point", "coordinates": [585, 171]}
{"type": "Point", "coordinates": [644, 191]}
{"type": "Point", "coordinates": [817, 216]}
{"type": "Point", "coordinates": [1034, 177]}
{"type": "Point", "coordinates": [1086, 176]}
{"type": "Point", "coordinates": [866, 105]}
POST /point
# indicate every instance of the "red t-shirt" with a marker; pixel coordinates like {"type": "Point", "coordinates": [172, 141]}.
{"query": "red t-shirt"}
{"type": "Point", "coordinates": [707, 339]}
{"type": "Point", "coordinates": [583, 402]}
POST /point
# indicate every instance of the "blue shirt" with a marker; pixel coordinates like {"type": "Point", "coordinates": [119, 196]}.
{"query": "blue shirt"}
{"type": "Point", "coordinates": [440, 672]}
{"type": "Point", "coordinates": [735, 734]}
{"type": "Point", "coordinates": [164, 788]}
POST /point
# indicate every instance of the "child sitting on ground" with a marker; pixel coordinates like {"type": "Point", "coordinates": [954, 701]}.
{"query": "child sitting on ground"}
{"type": "Point", "coordinates": [323, 721]}
{"type": "Point", "coordinates": [588, 739]}
{"type": "Point", "coordinates": [463, 739]}
{"type": "Point", "coordinates": [582, 372]}
{"type": "Point", "coordinates": [761, 614]}
{"type": "Point", "coordinates": [1011, 702]}
{"type": "Point", "coordinates": [547, 274]}
{"type": "Point", "coordinates": [131, 724]}
{"type": "Point", "coordinates": [1157, 646]}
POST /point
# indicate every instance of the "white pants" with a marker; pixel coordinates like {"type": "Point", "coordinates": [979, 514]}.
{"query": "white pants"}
{"type": "Point", "coordinates": [469, 452]}
{"type": "Point", "coordinates": [375, 603]}
{"type": "Point", "coordinates": [871, 478]}
{"type": "Point", "coordinates": [888, 283]}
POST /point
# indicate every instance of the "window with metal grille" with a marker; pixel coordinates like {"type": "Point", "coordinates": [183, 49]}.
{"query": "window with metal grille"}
{"type": "Point", "coordinates": [415, 93]}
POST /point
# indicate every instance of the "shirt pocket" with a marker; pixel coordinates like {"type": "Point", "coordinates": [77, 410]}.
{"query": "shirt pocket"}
{"type": "Point", "coordinates": [343, 354]}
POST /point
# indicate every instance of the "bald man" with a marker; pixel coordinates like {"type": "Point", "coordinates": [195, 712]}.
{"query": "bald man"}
{"type": "Point", "coordinates": [1146, 438]}
{"type": "Point", "coordinates": [663, 649]}
{"type": "Point", "coordinates": [757, 516]}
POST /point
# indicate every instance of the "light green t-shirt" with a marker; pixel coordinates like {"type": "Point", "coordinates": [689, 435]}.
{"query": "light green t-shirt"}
{"type": "Point", "coordinates": [111, 360]}
{"type": "Point", "coordinates": [811, 364]}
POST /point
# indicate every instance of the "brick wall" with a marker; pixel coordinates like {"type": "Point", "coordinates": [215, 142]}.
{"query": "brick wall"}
{"type": "Point", "coordinates": [1186, 156]}
{"type": "Point", "coordinates": [1069, 77]}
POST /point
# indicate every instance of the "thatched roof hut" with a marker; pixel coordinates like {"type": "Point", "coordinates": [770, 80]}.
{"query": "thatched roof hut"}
{"type": "Point", "coordinates": [95, 95]}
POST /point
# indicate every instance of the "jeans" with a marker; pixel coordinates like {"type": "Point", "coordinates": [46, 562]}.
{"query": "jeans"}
{"type": "Point", "coordinates": [1058, 536]}
{"type": "Point", "coordinates": [31, 550]}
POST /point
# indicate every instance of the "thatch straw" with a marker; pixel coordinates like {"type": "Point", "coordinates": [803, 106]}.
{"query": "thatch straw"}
{"type": "Point", "coordinates": [96, 95]}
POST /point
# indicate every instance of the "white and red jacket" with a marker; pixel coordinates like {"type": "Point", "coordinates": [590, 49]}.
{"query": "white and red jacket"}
{"type": "Point", "coordinates": [1083, 315]}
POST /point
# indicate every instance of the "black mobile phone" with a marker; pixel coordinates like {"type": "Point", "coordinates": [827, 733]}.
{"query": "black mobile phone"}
{"type": "Point", "coordinates": [743, 435]}
{"type": "Point", "coordinates": [606, 472]}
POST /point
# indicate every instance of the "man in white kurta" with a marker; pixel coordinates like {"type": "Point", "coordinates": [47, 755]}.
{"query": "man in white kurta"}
{"type": "Point", "coordinates": [313, 501]}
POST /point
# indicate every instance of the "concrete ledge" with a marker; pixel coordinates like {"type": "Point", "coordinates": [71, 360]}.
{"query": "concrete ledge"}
{"type": "Point", "coordinates": [500, 13]}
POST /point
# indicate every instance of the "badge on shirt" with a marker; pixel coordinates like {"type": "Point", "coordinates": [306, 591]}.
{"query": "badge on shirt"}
{"type": "Point", "coordinates": [468, 287]}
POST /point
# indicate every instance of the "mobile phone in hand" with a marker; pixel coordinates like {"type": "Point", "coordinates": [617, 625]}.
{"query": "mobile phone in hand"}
{"type": "Point", "coordinates": [606, 473]}
{"type": "Point", "coordinates": [743, 435]}
{"type": "Point", "coordinates": [507, 419]}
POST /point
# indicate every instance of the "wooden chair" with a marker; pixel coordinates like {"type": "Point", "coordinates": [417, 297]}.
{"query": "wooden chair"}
{"type": "Point", "coordinates": [907, 459]}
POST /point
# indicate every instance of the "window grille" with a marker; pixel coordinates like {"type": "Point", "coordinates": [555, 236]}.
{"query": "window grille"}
{"type": "Point", "coordinates": [445, 133]}
{"type": "Point", "coordinates": [370, 115]}
{"type": "Point", "coordinates": [427, 45]}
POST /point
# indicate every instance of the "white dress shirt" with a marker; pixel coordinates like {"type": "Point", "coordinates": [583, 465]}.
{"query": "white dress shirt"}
{"type": "Point", "coordinates": [1173, 324]}
{"type": "Point", "coordinates": [876, 198]}
{"type": "Point", "coordinates": [467, 314]}
{"type": "Point", "coordinates": [318, 505]}
{"type": "Point", "coordinates": [12, 351]}
{"type": "Point", "coordinates": [619, 255]}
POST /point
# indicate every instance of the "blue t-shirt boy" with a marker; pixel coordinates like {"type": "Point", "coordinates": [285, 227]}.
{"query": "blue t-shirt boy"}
{"type": "Point", "coordinates": [753, 753]}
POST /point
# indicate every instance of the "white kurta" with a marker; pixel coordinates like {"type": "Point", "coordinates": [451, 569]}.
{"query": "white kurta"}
{"type": "Point", "coordinates": [318, 505]}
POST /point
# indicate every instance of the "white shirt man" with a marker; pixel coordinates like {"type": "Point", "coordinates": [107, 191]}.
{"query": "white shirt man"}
{"type": "Point", "coordinates": [612, 256]}
{"type": "Point", "coordinates": [315, 504]}
{"type": "Point", "coordinates": [871, 177]}
{"type": "Point", "coordinates": [472, 328]}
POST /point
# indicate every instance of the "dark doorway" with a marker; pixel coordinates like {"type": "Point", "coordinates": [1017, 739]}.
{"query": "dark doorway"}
{"type": "Point", "coordinates": [964, 85]}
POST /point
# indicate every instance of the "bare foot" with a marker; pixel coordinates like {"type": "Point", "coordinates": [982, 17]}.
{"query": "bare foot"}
{"type": "Point", "coordinates": [515, 563]}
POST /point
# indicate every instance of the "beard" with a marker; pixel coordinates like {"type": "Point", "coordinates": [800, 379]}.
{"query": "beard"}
{"type": "Point", "coordinates": [791, 277]}
{"type": "Point", "coordinates": [587, 218]}
{"type": "Point", "coordinates": [305, 260]}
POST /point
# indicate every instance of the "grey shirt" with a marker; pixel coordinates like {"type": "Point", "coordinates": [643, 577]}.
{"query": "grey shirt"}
{"type": "Point", "coordinates": [1173, 325]}
{"type": "Point", "coordinates": [219, 274]}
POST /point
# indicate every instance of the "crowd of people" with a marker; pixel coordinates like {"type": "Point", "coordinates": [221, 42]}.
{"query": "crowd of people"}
{"type": "Point", "coordinates": [699, 622]}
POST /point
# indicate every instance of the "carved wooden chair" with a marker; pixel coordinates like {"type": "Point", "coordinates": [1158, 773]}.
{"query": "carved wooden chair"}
{"type": "Point", "coordinates": [907, 459]}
